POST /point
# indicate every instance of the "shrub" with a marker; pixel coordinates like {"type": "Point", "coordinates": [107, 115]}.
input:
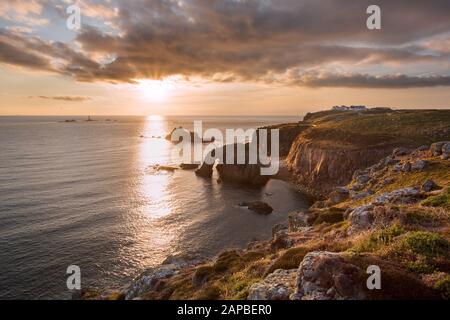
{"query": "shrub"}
{"type": "Point", "coordinates": [428, 244]}
{"type": "Point", "coordinates": [201, 275]}
{"type": "Point", "coordinates": [443, 286]}
{"type": "Point", "coordinates": [290, 259]}
{"type": "Point", "coordinates": [227, 261]}
{"type": "Point", "coordinates": [420, 267]}
{"type": "Point", "coordinates": [377, 239]}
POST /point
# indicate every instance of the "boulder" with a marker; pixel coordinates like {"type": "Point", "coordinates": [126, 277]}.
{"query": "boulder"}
{"type": "Point", "coordinates": [149, 279]}
{"type": "Point", "coordinates": [361, 217]}
{"type": "Point", "coordinates": [258, 207]}
{"type": "Point", "coordinates": [446, 151]}
{"type": "Point", "coordinates": [298, 220]}
{"type": "Point", "coordinates": [342, 276]}
{"type": "Point", "coordinates": [328, 276]}
{"type": "Point", "coordinates": [419, 165]}
{"type": "Point", "coordinates": [363, 179]}
{"type": "Point", "coordinates": [338, 195]}
{"type": "Point", "coordinates": [357, 187]}
{"type": "Point", "coordinates": [429, 185]}
{"type": "Point", "coordinates": [436, 148]}
{"type": "Point", "coordinates": [407, 167]}
{"type": "Point", "coordinates": [279, 227]}
{"type": "Point", "coordinates": [278, 285]}
{"type": "Point", "coordinates": [281, 240]}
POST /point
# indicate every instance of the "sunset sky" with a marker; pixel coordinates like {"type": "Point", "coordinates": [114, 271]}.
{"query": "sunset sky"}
{"type": "Point", "coordinates": [221, 57]}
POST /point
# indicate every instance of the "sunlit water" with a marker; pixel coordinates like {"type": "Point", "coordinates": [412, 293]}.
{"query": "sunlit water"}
{"type": "Point", "coordinates": [85, 193]}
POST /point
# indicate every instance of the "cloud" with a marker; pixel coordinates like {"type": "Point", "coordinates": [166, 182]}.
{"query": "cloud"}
{"type": "Point", "coordinates": [357, 80]}
{"type": "Point", "coordinates": [252, 40]}
{"type": "Point", "coordinates": [26, 12]}
{"type": "Point", "coordinates": [63, 98]}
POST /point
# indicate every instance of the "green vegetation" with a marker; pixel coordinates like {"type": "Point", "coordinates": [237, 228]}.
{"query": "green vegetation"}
{"type": "Point", "coordinates": [378, 239]}
{"type": "Point", "coordinates": [374, 128]}
{"type": "Point", "coordinates": [443, 286]}
{"type": "Point", "coordinates": [428, 244]}
{"type": "Point", "coordinates": [290, 259]}
{"type": "Point", "coordinates": [441, 200]}
{"type": "Point", "coordinates": [333, 215]}
{"type": "Point", "coordinates": [420, 267]}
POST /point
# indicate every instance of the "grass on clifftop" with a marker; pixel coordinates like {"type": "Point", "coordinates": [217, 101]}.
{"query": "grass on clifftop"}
{"type": "Point", "coordinates": [370, 129]}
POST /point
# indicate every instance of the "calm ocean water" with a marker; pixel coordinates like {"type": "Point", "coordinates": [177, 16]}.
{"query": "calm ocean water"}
{"type": "Point", "coordinates": [85, 193]}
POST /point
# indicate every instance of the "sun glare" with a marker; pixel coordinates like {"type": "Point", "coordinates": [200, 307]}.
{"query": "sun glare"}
{"type": "Point", "coordinates": [155, 90]}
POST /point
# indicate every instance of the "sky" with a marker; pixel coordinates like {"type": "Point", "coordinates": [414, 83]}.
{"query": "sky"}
{"type": "Point", "coordinates": [221, 57]}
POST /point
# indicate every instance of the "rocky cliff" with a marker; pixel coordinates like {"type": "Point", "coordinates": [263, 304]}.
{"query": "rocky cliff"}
{"type": "Point", "coordinates": [337, 143]}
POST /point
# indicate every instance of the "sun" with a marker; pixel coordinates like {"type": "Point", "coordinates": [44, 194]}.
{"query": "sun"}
{"type": "Point", "coordinates": [155, 90]}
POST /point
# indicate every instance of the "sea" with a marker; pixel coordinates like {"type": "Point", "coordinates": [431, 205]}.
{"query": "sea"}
{"type": "Point", "coordinates": [90, 194]}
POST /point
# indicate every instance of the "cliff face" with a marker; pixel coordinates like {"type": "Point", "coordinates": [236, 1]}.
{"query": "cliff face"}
{"type": "Point", "coordinates": [318, 169]}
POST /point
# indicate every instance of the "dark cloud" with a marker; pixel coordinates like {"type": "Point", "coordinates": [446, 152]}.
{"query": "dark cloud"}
{"type": "Point", "coordinates": [64, 98]}
{"type": "Point", "coordinates": [371, 81]}
{"type": "Point", "coordinates": [232, 40]}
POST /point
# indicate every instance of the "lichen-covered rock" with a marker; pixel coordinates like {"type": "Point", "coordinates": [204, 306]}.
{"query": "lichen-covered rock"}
{"type": "Point", "coordinates": [419, 165]}
{"type": "Point", "coordinates": [280, 240]}
{"type": "Point", "coordinates": [342, 276]}
{"type": "Point", "coordinates": [148, 280]}
{"type": "Point", "coordinates": [298, 220]}
{"type": "Point", "coordinates": [361, 217]}
{"type": "Point", "coordinates": [436, 148]}
{"type": "Point", "coordinates": [362, 179]}
{"type": "Point", "coordinates": [327, 276]}
{"type": "Point", "coordinates": [278, 285]}
{"type": "Point", "coordinates": [338, 195]}
{"type": "Point", "coordinates": [406, 195]}
{"type": "Point", "coordinates": [446, 151]}
{"type": "Point", "coordinates": [429, 185]}
{"type": "Point", "coordinates": [279, 227]}
{"type": "Point", "coordinates": [407, 167]}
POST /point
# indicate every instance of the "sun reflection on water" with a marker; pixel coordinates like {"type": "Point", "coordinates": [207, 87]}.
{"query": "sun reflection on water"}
{"type": "Point", "coordinates": [155, 150]}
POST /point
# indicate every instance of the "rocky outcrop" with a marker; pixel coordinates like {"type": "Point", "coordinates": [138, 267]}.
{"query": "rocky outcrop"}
{"type": "Point", "coordinates": [258, 207]}
{"type": "Point", "coordinates": [405, 195]}
{"type": "Point", "coordinates": [242, 173]}
{"type": "Point", "coordinates": [148, 280]}
{"type": "Point", "coordinates": [328, 276]}
{"type": "Point", "coordinates": [247, 173]}
{"type": "Point", "coordinates": [361, 217]}
{"type": "Point", "coordinates": [278, 285]}
{"type": "Point", "coordinates": [341, 276]}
